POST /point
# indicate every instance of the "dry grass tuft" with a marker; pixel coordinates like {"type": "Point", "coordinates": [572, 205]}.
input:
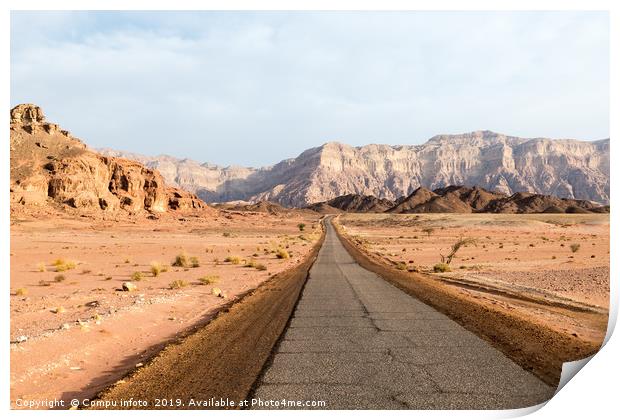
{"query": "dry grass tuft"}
{"type": "Point", "coordinates": [64, 265]}
{"type": "Point", "coordinates": [233, 259]}
{"type": "Point", "coordinates": [282, 254]}
{"type": "Point", "coordinates": [210, 279]}
{"type": "Point", "coordinates": [178, 284]}
{"type": "Point", "coordinates": [441, 268]}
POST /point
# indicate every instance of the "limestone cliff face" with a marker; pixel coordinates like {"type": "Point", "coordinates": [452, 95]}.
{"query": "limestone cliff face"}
{"type": "Point", "coordinates": [48, 166]}
{"type": "Point", "coordinates": [563, 168]}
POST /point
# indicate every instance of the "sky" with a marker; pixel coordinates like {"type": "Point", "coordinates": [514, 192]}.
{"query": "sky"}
{"type": "Point", "coordinates": [253, 88]}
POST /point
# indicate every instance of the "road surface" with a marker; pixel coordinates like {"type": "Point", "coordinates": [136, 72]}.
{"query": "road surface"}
{"type": "Point", "coordinates": [355, 341]}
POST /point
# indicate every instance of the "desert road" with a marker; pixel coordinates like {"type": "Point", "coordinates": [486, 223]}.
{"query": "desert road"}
{"type": "Point", "coordinates": [355, 341]}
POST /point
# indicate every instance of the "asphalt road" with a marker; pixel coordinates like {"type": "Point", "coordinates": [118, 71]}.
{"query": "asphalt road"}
{"type": "Point", "coordinates": [355, 341]}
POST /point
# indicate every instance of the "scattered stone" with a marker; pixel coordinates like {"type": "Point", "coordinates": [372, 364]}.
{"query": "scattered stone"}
{"type": "Point", "coordinates": [129, 287]}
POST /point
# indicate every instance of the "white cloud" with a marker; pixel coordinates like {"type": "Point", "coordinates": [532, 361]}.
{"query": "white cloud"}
{"type": "Point", "coordinates": [255, 88]}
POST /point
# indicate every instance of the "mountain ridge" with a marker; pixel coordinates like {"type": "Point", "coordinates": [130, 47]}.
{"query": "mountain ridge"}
{"type": "Point", "coordinates": [458, 199]}
{"type": "Point", "coordinates": [566, 168]}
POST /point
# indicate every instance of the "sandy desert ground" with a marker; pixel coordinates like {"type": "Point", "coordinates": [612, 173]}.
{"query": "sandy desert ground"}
{"type": "Point", "coordinates": [551, 269]}
{"type": "Point", "coordinates": [74, 330]}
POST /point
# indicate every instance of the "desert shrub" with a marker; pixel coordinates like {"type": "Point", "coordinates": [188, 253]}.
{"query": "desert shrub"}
{"type": "Point", "coordinates": [156, 268]}
{"type": "Point", "coordinates": [575, 247]}
{"type": "Point", "coordinates": [455, 248]}
{"type": "Point", "coordinates": [44, 283]}
{"type": "Point", "coordinates": [64, 265]}
{"type": "Point", "coordinates": [401, 265]}
{"type": "Point", "coordinates": [250, 264]}
{"type": "Point", "coordinates": [136, 276]}
{"type": "Point", "coordinates": [226, 234]}
{"type": "Point", "coordinates": [441, 268]}
{"type": "Point", "coordinates": [22, 291]}
{"type": "Point", "coordinates": [41, 267]}
{"type": "Point", "coordinates": [233, 259]}
{"type": "Point", "coordinates": [181, 260]}
{"type": "Point", "coordinates": [86, 271]}
{"type": "Point", "coordinates": [211, 279]}
{"type": "Point", "coordinates": [59, 278]}
{"type": "Point", "coordinates": [428, 231]}
{"type": "Point", "coordinates": [301, 227]}
{"type": "Point", "coordinates": [194, 262]}
{"type": "Point", "coordinates": [178, 284]}
{"type": "Point", "coordinates": [283, 254]}
{"type": "Point", "coordinates": [260, 267]}
{"type": "Point", "coordinates": [127, 261]}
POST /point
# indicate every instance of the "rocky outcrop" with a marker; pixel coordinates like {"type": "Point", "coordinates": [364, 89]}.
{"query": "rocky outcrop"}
{"type": "Point", "coordinates": [355, 203]}
{"type": "Point", "coordinates": [49, 166]}
{"type": "Point", "coordinates": [460, 199]}
{"type": "Point", "coordinates": [564, 168]}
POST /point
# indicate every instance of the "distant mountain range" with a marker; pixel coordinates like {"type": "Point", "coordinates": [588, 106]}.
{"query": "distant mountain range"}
{"type": "Point", "coordinates": [458, 199]}
{"type": "Point", "coordinates": [563, 168]}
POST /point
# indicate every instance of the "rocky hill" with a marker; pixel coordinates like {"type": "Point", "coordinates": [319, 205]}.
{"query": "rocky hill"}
{"type": "Point", "coordinates": [354, 203]}
{"type": "Point", "coordinates": [563, 168]}
{"type": "Point", "coordinates": [459, 199]}
{"type": "Point", "coordinates": [50, 167]}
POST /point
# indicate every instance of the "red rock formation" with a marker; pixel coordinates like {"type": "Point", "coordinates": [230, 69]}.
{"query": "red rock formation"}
{"type": "Point", "coordinates": [49, 166]}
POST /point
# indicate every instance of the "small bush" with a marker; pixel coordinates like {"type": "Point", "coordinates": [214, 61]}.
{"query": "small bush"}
{"type": "Point", "coordinates": [261, 267]}
{"type": "Point", "coordinates": [441, 268]}
{"type": "Point", "coordinates": [127, 261]}
{"type": "Point", "coordinates": [401, 265]}
{"type": "Point", "coordinates": [41, 267]}
{"type": "Point", "coordinates": [59, 278]}
{"type": "Point", "coordinates": [44, 283]}
{"type": "Point", "coordinates": [156, 268]}
{"type": "Point", "coordinates": [282, 254]}
{"type": "Point", "coordinates": [226, 234]}
{"type": "Point", "coordinates": [64, 265]}
{"type": "Point", "coordinates": [428, 231]}
{"type": "Point", "coordinates": [178, 284]}
{"type": "Point", "coordinates": [301, 227]}
{"type": "Point", "coordinates": [181, 260]}
{"type": "Point", "coordinates": [194, 262]}
{"type": "Point", "coordinates": [575, 247]}
{"type": "Point", "coordinates": [206, 280]}
{"type": "Point", "coordinates": [136, 276]}
{"type": "Point", "coordinates": [233, 259]}
{"type": "Point", "coordinates": [22, 291]}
